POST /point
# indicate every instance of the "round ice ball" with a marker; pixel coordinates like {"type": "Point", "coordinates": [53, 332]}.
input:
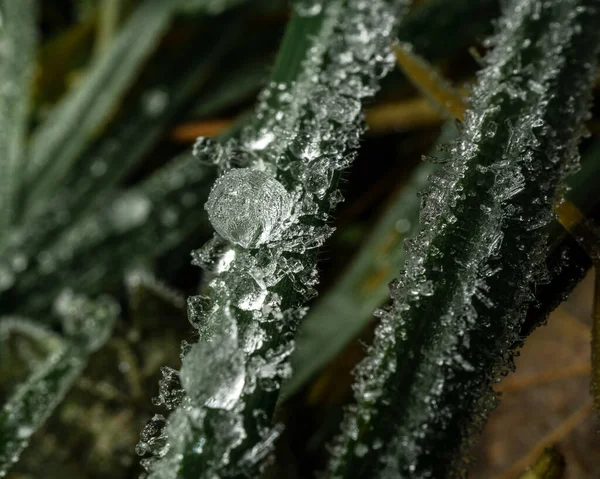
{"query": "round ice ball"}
{"type": "Point", "coordinates": [248, 206]}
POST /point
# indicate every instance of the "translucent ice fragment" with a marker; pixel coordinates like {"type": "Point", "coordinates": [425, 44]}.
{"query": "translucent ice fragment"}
{"type": "Point", "coordinates": [247, 293]}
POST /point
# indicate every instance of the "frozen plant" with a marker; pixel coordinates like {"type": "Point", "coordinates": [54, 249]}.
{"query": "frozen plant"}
{"type": "Point", "coordinates": [91, 214]}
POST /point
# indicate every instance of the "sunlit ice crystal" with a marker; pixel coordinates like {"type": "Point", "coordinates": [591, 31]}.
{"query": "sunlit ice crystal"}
{"type": "Point", "coordinates": [248, 207]}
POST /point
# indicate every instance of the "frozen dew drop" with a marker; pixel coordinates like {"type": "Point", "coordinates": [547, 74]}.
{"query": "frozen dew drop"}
{"type": "Point", "coordinates": [248, 207]}
{"type": "Point", "coordinates": [198, 308]}
{"type": "Point", "coordinates": [214, 374]}
{"type": "Point", "coordinates": [308, 8]}
{"type": "Point", "coordinates": [155, 101]}
{"type": "Point", "coordinates": [215, 256]}
{"type": "Point", "coordinates": [153, 440]}
{"type": "Point", "coordinates": [87, 320]}
{"type": "Point", "coordinates": [129, 210]}
{"type": "Point", "coordinates": [170, 392]}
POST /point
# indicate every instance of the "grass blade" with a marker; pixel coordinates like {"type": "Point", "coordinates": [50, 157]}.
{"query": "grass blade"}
{"type": "Point", "coordinates": [88, 324]}
{"type": "Point", "coordinates": [302, 135]}
{"type": "Point", "coordinates": [17, 50]}
{"type": "Point", "coordinates": [459, 304]}
{"type": "Point", "coordinates": [77, 118]}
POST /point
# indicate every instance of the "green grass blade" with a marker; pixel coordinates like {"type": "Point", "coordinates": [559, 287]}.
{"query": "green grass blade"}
{"type": "Point", "coordinates": [460, 303]}
{"type": "Point", "coordinates": [73, 123]}
{"type": "Point", "coordinates": [304, 131]}
{"type": "Point", "coordinates": [17, 51]}
{"type": "Point", "coordinates": [346, 309]}
{"type": "Point", "coordinates": [88, 324]}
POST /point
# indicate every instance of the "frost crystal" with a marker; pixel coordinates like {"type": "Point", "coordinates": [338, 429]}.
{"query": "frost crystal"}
{"type": "Point", "coordinates": [248, 207]}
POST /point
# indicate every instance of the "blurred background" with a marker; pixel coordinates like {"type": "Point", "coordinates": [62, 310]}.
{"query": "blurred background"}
{"type": "Point", "coordinates": [199, 75]}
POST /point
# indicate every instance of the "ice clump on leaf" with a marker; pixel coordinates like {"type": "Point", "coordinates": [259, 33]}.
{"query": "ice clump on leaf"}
{"type": "Point", "coordinates": [214, 373]}
{"type": "Point", "coordinates": [248, 207]}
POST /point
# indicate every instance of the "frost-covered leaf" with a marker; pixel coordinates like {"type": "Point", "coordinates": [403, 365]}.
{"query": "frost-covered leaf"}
{"type": "Point", "coordinates": [87, 325]}
{"type": "Point", "coordinates": [462, 298]}
{"type": "Point", "coordinates": [345, 310]}
{"type": "Point", "coordinates": [271, 205]}
{"type": "Point", "coordinates": [17, 49]}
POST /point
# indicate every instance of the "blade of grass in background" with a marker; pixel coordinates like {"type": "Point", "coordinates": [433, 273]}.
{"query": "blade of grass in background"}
{"type": "Point", "coordinates": [17, 50]}
{"type": "Point", "coordinates": [57, 142]}
{"type": "Point", "coordinates": [136, 227]}
{"type": "Point", "coordinates": [348, 306]}
{"type": "Point", "coordinates": [88, 325]}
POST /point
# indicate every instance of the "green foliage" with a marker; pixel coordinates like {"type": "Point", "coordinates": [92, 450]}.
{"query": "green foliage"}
{"type": "Point", "coordinates": [261, 276]}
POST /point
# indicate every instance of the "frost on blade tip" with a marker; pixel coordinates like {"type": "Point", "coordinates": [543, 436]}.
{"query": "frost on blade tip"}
{"type": "Point", "coordinates": [248, 207]}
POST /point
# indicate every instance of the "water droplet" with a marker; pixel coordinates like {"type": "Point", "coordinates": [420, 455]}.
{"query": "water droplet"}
{"type": "Point", "coordinates": [247, 293]}
{"type": "Point", "coordinates": [129, 210]}
{"type": "Point", "coordinates": [209, 151]}
{"type": "Point", "coordinates": [308, 8]}
{"type": "Point", "coordinates": [153, 439]}
{"type": "Point", "coordinates": [155, 101]}
{"type": "Point", "coordinates": [215, 256]}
